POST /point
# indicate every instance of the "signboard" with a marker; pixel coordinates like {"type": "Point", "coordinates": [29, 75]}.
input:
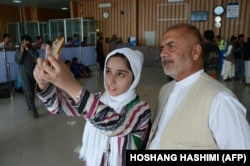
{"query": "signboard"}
{"type": "Point", "coordinates": [132, 41]}
{"type": "Point", "coordinates": [233, 10]}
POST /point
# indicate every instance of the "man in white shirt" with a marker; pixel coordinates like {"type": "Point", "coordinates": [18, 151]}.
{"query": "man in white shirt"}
{"type": "Point", "coordinates": [6, 43]}
{"type": "Point", "coordinates": [194, 111]}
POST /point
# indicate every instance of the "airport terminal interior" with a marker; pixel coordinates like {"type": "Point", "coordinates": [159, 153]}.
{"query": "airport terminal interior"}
{"type": "Point", "coordinates": [54, 140]}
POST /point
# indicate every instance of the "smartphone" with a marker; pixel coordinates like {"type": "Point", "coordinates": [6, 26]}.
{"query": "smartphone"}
{"type": "Point", "coordinates": [56, 46]}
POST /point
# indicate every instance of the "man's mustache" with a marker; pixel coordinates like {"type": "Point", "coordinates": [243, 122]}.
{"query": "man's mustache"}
{"type": "Point", "coordinates": [166, 61]}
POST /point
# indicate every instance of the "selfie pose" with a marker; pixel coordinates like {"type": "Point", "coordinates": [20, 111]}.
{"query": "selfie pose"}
{"type": "Point", "coordinates": [116, 119]}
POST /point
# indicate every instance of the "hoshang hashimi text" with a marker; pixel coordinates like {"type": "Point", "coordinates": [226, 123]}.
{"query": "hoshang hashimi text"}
{"type": "Point", "coordinates": [174, 157]}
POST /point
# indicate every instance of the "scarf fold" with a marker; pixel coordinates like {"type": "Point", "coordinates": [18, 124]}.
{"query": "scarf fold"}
{"type": "Point", "coordinates": [94, 143]}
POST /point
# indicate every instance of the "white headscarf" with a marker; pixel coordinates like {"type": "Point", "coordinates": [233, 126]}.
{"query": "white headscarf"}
{"type": "Point", "coordinates": [94, 142]}
{"type": "Point", "coordinates": [135, 59]}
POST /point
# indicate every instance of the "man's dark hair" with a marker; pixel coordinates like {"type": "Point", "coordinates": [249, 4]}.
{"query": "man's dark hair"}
{"type": "Point", "coordinates": [218, 37]}
{"type": "Point", "coordinates": [69, 38]}
{"type": "Point", "coordinates": [26, 37]}
{"type": "Point", "coordinates": [67, 61]}
{"type": "Point", "coordinates": [233, 38]}
{"type": "Point", "coordinates": [209, 35]}
{"type": "Point", "coordinates": [6, 35]}
{"type": "Point", "coordinates": [48, 42]}
{"type": "Point", "coordinates": [74, 59]}
{"type": "Point", "coordinates": [38, 37]}
{"type": "Point", "coordinates": [240, 36]}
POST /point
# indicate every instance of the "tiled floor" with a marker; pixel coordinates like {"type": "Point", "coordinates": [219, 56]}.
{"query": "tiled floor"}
{"type": "Point", "coordinates": [52, 140]}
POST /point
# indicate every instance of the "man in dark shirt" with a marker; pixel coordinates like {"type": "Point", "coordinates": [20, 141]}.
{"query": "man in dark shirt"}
{"type": "Point", "coordinates": [26, 57]}
{"type": "Point", "coordinates": [239, 58]}
{"type": "Point", "coordinates": [100, 54]}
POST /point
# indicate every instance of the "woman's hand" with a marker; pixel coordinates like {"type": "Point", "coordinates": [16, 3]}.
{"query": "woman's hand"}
{"type": "Point", "coordinates": [38, 75]}
{"type": "Point", "coordinates": [48, 51]}
{"type": "Point", "coordinates": [55, 71]}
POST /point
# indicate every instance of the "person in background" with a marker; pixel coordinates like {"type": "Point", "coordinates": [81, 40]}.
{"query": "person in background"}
{"type": "Point", "coordinates": [226, 71]}
{"type": "Point", "coordinates": [78, 69]}
{"type": "Point", "coordinates": [239, 58]}
{"type": "Point", "coordinates": [26, 58]}
{"type": "Point", "coordinates": [84, 42]}
{"type": "Point", "coordinates": [76, 40]}
{"type": "Point", "coordinates": [49, 42]}
{"type": "Point", "coordinates": [247, 61]}
{"type": "Point", "coordinates": [99, 51]}
{"type": "Point", "coordinates": [68, 63]}
{"type": "Point", "coordinates": [113, 42]}
{"type": "Point", "coordinates": [38, 43]}
{"type": "Point", "coordinates": [69, 42]}
{"type": "Point", "coordinates": [194, 111]}
{"type": "Point", "coordinates": [117, 120]}
{"type": "Point", "coordinates": [211, 55]}
{"type": "Point", "coordinates": [6, 43]}
{"type": "Point", "coordinates": [221, 43]}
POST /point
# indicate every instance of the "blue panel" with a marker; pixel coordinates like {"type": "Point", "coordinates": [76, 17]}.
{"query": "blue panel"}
{"type": "Point", "coordinates": [86, 55]}
{"type": "Point", "coordinates": [199, 16]}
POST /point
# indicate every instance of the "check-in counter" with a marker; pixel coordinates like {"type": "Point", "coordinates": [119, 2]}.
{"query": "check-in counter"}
{"type": "Point", "coordinates": [85, 54]}
{"type": "Point", "coordinates": [8, 67]}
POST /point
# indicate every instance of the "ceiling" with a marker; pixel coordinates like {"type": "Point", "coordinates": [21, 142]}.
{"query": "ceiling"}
{"type": "Point", "coordinates": [47, 4]}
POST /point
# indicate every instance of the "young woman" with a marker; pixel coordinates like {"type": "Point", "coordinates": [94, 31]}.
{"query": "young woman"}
{"type": "Point", "coordinates": [116, 119]}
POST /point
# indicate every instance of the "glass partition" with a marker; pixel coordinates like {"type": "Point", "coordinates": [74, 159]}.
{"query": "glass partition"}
{"type": "Point", "coordinates": [56, 28]}
{"type": "Point", "coordinates": [35, 29]}
{"type": "Point", "coordinates": [83, 27]}
{"type": "Point", "coordinates": [16, 30]}
{"type": "Point", "coordinates": [73, 26]}
{"type": "Point", "coordinates": [44, 30]}
{"type": "Point", "coordinates": [91, 31]}
{"type": "Point", "coordinates": [31, 28]}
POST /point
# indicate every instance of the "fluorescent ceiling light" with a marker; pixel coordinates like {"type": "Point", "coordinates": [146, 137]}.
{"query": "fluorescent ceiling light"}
{"type": "Point", "coordinates": [16, 1]}
{"type": "Point", "coordinates": [64, 8]}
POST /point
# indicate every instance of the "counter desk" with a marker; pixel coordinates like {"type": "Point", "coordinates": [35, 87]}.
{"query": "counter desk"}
{"type": "Point", "coordinates": [85, 54]}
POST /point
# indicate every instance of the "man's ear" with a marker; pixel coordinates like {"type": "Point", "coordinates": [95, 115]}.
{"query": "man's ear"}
{"type": "Point", "coordinates": [197, 52]}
